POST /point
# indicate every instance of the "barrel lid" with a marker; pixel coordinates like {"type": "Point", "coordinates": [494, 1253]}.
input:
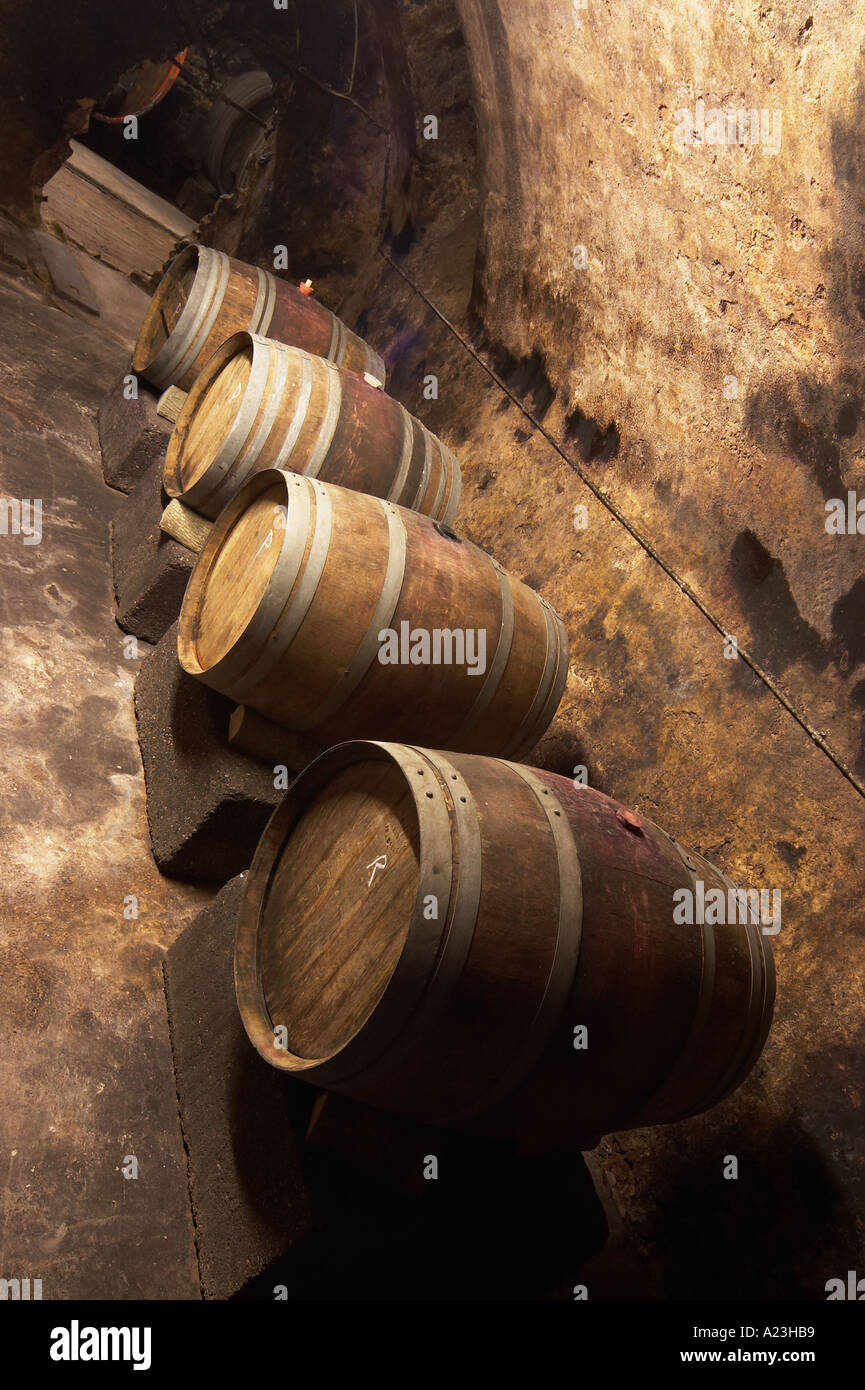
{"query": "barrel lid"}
{"type": "Point", "coordinates": [231, 607]}
{"type": "Point", "coordinates": [337, 907]}
{"type": "Point", "coordinates": [239, 574]}
{"type": "Point", "coordinates": [333, 944]}
{"type": "Point", "coordinates": [208, 416]}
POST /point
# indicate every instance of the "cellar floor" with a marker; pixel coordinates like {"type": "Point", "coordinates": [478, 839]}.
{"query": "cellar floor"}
{"type": "Point", "coordinates": [85, 1065]}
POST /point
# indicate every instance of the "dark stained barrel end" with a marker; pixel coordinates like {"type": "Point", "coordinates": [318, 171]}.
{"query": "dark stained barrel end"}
{"type": "Point", "coordinates": [162, 316]}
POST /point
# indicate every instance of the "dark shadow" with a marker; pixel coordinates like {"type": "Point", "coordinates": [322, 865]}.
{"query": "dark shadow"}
{"type": "Point", "coordinates": [818, 422]}
{"type": "Point", "coordinates": [779, 1230]}
{"type": "Point", "coordinates": [492, 1226]}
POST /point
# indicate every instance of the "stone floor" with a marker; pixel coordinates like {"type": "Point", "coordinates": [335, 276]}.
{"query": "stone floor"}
{"type": "Point", "coordinates": [85, 1058]}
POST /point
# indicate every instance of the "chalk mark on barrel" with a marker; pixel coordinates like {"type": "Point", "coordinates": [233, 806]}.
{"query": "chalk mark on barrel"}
{"type": "Point", "coordinates": [380, 863]}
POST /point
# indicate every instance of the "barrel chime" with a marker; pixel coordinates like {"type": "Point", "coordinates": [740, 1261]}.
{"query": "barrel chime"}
{"type": "Point", "coordinates": [450, 935]}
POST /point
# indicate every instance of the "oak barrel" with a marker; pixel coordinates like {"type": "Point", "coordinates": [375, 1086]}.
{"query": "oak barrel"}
{"type": "Point", "coordinates": [205, 296]}
{"type": "Point", "coordinates": [140, 89]}
{"type": "Point", "coordinates": [260, 404]}
{"type": "Point", "coordinates": [298, 580]}
{"type": "Point", "coordinates": [236, 128]}
{"type": "Point", "coordinates": [427, 931]}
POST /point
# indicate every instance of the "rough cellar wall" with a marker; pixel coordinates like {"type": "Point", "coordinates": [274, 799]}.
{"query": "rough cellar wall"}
{"type": "Point", "coordinates": [342, 174]}
{"type": "Point", "coordinates": [56, 63]}
{"type": "Point", "coordinates": [343, 170]}
{"type": "Point", "coordinates": [660, 719]}
{"type": "Point", "coordinates": [704, 263]}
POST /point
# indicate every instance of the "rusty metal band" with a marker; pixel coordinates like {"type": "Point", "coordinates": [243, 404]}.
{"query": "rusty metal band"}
{"type": "Point", "coordinates": [343, 343]}
{"type": "Point", "coordinates": [455, 490]}
{"type": "Point", "coordinates": [495, 671]}
{"type": "Point", "coordinates": [425, 472]}
{"type": "Point", "coordinates": [260, 298]}
{"type": "Point", "coordinates": [336, 350]}
{"type": "Point", "coordinates": [283, 632]}
{"type": "Point", "coordinates": [334, 336]}
{"type": "Point", "coordinates": [758, 1015]}
{"type": "Point", "coordinates": [222, 466]}
{"type": "Point", "coordinates": [368, 649]}
{"type": "Point", "coordinates": [697, 1032]}
{"type": "Point", "coordinates": [558, 682]}
{"type": "Point", "coordinates": [395, 494]}
{"type": "Point", "coordinates": [761, 1033]}
{"type": "Point", "coordinates": [265, 304]}
{"type": "Point", "coordinates": [520, 741]}
{"type": "Point", "coordinates": [197, 318]}
{"type": "Point", "coordinates": [566, 954]}
{"type": "Point", "coordinates": [457, 933]}
{"type": "Point", "coordinates": [422, 947]}
{"type": "Point", "coordinates": [319, 451]}
{"type": "Point", "coordinates": [301, 408]}
{"type": "Point", "coordinates": [442, 482]}
{"type": "Point", "coordinates": [374, 365]}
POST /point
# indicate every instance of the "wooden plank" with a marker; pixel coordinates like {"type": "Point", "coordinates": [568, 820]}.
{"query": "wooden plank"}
{"type": "Point", "coordinates": [339, 906]}
{"type": "Point", "coordinates": [115, 220]}
{"type": "Point", "coordinates": [127, 190]}
{"type": "Point", "coordinates": [99, 291]}
{"type": "Point", "coordinates": [184, 526]}
{"type": "Point", "coordinates": [170, 404]}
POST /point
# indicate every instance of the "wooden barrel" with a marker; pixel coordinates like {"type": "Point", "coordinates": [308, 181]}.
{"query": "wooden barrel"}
{"type": "Point", "coordinates": [205, 296]}
{"type": "Point", "coordinates": [231, 134]}
{"type": "Point", "coordinates": [427, 931]}
{"type": "Point", "coordinates": [140, 89]}
{"type": "Point", "coordinates": [298, 580]}
{"type": "Point", "coordinates": [259, 404]}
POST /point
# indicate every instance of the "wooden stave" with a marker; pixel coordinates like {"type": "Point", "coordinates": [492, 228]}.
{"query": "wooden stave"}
{"type": "Point", "coordinates": [659, 1091]}
{"type": "Point", "coordinates": [227, 296]}
{"type": "Point", "coordinates": [264, 434]}
{"type": "Point", "coordinates": [235, 665]}
{"type": "Point", "coordinates": [171, 364]}
{"type": "Point", "coordinates": [382, 1067]}
{"type": "Point", "coordinates": [251, 669]}
{"type": "Point", "coordinates": [759, 1016]}
{"type": "Point", "coordinates": [249, 90]}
